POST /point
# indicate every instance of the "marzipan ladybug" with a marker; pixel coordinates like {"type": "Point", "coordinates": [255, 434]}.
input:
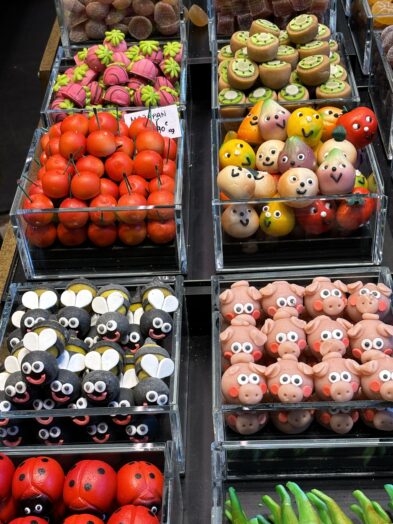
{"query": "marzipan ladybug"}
{"type": "Point", "coordinates": [7, 469]}
{"type": "Point", "coordinates": [140, 483]}
{"type": "Point", "coordinates": [83, 518]}
{"type": "Point", "coordinates": [131, 515]}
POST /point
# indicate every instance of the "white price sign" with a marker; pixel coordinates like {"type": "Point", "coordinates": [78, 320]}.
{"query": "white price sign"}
{"type": "Point", "coordinates": [166, 120]}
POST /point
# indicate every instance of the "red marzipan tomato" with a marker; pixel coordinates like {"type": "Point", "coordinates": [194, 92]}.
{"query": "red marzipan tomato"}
{"type": "Point", "coordinates": [140, 124]}
{"type": "Point", "coordinates": [71, 237]}
{"type": "Point", "coordinates": [44, 140]}
{"type": "Point", "coordinates": [132, 234]}
{"type": "Point", "coordinates": [131, 216]}
{"type": "Point", "coordinates": [43, 158]}
{"type": "Point", "coordinates": [123, 127]}
{"type": "Point", "coordinates": [125, 145]}
{"type": "Point", "coordinates": [161, 198]}
{"type": "Point", "coordinates": [73, 220]}
{"type": "Point", "coordinates": [108, 187]}
{"type": "Point", "coordinates": [107, 122]}
{"type": "Point", "coordinates": [360, 124]}
{"type": "Point", "coordinates": [85, 185]}
{"type": "Point", "coordinates": [101, 143]}
{"type": "Point", "coordinates": [36, 188]}
{"type": "Point", "coordinates": [102, 236]}
{"type": "Point", "coordinates": [41, 172]}
{"type": "Point", "coordinates": [91, 163]}
{"type": "Point", "coordinates": [72, 145]}
{"type": "Point", "coordinates": [38, 201]}
{"type": "Point", "coordinates": [119, 165]}
{"type": "Point", "coordinates": [56, 183]}
{"type": "Point", "coordinates": [78, 123]}
{"type": "Point", "coordinates": [148, 164]}
{"type": "Point", "coordinates": [137, 184]}
{"type": "Point", "coordinates": [55, 130]}
{"type": "Point", "coordinates": [59, 162]}
{"type": "Point", "coordinates": [150, 140]}
{"type": "Point", "coordinates": [52, 147]}
{"type": "Point", "coordinates": [165, 182]}
{"type": "Point", "coordinates": [43, 236]}
{"type": "Point", "coordinates": [353, 212]}
{"type": "Point", "coordinates": [161, 232]}
{"type": "Point", "coordinates": [103, 218]}
{"type": "Point", "coordinates": [169, 168]}
{"type": "Point", "coordinates": [170, 148]}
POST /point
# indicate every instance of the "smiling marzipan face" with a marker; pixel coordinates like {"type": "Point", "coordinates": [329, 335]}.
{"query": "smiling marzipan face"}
{"type": "Point", "coordinates": [298, 182]}
{"type": "Point", "coordinates": [307, 124]}
{"type": "Point", "coordinates": [267, 155]}
{"type": "Point", "coordinates": [236, 152]}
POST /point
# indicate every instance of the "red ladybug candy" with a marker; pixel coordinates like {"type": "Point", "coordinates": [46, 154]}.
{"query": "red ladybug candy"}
{"type": "Point", "coordinates": [29, 520]}
{"type": "Point", "coordinates": [132, 515]}
{"type": "Point", "coordinates": [140, 483]}
{"type": "Point", "coordinates": [38, 476]}
{"type": "Point", "coordinates": [8, 509]}
{"type": "Point", "coordinates": [90, 486]}
{"type": "Point", "coordinates": [7, 469]}
{"type": "Point", "coordinates": [82, 518]}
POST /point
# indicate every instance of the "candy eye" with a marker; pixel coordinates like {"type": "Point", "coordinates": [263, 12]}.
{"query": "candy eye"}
{"type": "Point", "coordinates": [376, 294]}
{"type": "Point", "coordinates": [29, 322]}
{"type": "Point", "coordinates": [162, 400]}
{"type": "Point", "coordinates": [63, 321]}
{"type": "Point", "coordinates": [267, 118]}
{"type": "Point", "coordinates": [281, 337]}
{"type": "Point", "coordinates": [92, 430]}
{"type": "Point", "coordinates": [157, 322]}
{"type": "Point", "coordinates": [378, 343]}
{"type": "Point", "coordinates": [369, 119]}
{"type": "Point", "coordinates": [281, 302]}
{"type": "Point", "coordinates": [248, 308]}
{"type": "Point", "coordinates": [297, 380]}
{"type": "Point", "coordinates": [272, 151]}
{"type": "Point", "coordinates": [325, 335]}
{"type": "Point", "coordinates": [277, 214]}
{"type": "Point", "coordinates": [236, 347]}
{"type": "Point", "coordinates": [293, 178]}
{"type": "Point", "coordinates": [130, 430]}
{"type": "Point", "coordinates": [37, 404]}
{"type": "Point", "coordinates": [238, 309]}
{"type": "Point", "coordinates": [13, 430]}
{"type": "Point", "coordinates": [55, 432]}
{"type": "Point", "coordinates": [334, 377]}
{"type": "Point", "coordinates": [325, 293]}
{"type": "Point", "coordinates": [102, 428]}
{"type": "Point", "coordinates": [142, 430]}
{"type": "Point", "coordinates": [101, 329]}
{"type": "Point", "coordinates": [166, 327]}
{"type": "Point", "coordinates": [82, 402]}
{"type": "Point", "coordinates": [152, 396]}
{"type": "Point", "coordinates": [73, 322]}
{"type": "Point", "coordinates": [384, 375]}
{"type": "Point", "coordinates": [291, 301]}
{"type": "Point", "coordinates": [292, 336]}
{"type": "Point", "coordinates": [366, 344]}
{"type": "Point", "coordinates": [356, 126]}
{"type": "Point", "coordinates": [89, 341]}
{"type": "Point", "coordinates": [3, 433]}
{"type": "Point", "coordinates": [38, 367]}
{"type": "Point", "coordinates": [124, 404]}
{"type": "Point", "coordinates": [247, 347]}
{"type": "Point", "coordinates": [10, 391]}
{"type": "Point", "coordinates": [300, 156]}
{"type": "Point", "coordinates": [134, 337]}
{"type": "Point", "coordinates": [316, 117]}
{"type": "Point", "coordinates": [26, 368]}
{"type": "Point", "coordinates": [242, 379]}
{"type": "Point", "coordinates": [338, 334]}
{"type": "Point", "coordinates": [253, 378]}
{"type": "Point", "coordinates": [284, 159]}
{"type": "Point", "coordinates": [49, 403]}
{"type": "Point", "coordinates": [227, 155]}
{"type": "Point", "coordinates": [300, 114]}
{"type": "Point", "coordinates": [56, 386]}
{"type": "Point", "coordinates": [88, 387]}
{"type": "Point", "coordinates": [345, 376]}
{"type": "Point", "coordinates": [334, 411]}
{"type": "Point", "coordinates": [336, 293]}
{"type": "Point", "coordinates": [111, 325]}
{"type": "Point", "coordinates": [38, 508]}
{"type": "Point", "coordinates": [260, 156]}
{"type": "Point", "coordinates": [100, 386]}
{"type": "Point", "coordinates": [39, 319]}
{"type": "Point", "coordinates": [343, 166]}
{"type": "Point", "coordinates": [67, 389]}
{"type": "Point", "coordinates": [20, 387]}
{"type": "Point", "coordinates": [265, 209]}
{"type": "Point", "coordinates": [364, 291]}
{"type": "Point", "coordinates": [28, 510]}
{"type": "Point", "coordinates": [113, 404]}
{"type": "Point", "coordinates": [310, 181]}
{"type": "Point", "coordinates": [14, 342]}
{"type": "Point", "coordinates": [285, 379]}
{"type": "Point", "coordinates": [5, 405]}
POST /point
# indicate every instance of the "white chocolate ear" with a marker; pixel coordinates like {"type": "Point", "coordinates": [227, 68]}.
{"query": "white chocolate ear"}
{"type": "Point", "coordinates": [129, 380]}
{"type": "Point", "coordinates": [3, 378]}
{"type": "Point", "coordinates": [100, 305]}
{"type": "Point", "coordinates": [11, 364]}
{"type": "Point", "coordinates": [115, 300]}
{"type": "Point", "coordinates": [63, 360]}
{"type": "Point", "coordinates": [76, 363]}
{"type": "Point", "coordinates": [110, 359]}
{"type": "Point", "coordinates": [93, 319]}
{"type": "Point", "coordinates": [83, 298]}
{"type": "Point", "coordinates": [171, 304]}
{"type": "Point", "coordinates": [155, 368]}
{"type": "Point", "coordinates": [165, 368]}
{"type": "Point", "coordinates": [47, 300]}
{"type": "Point", "coordinates": [31, 341]}
{"type": "Point", "coordinates": [30, 300]}
{"type": "Point", "coordinates": [93, 360]}
{"type": "Point", "coordinates": [135, 317]}
{"type": "Point", "coordinates": [17, 317]}
{"type": "Point", "coordinates": [68, 298]}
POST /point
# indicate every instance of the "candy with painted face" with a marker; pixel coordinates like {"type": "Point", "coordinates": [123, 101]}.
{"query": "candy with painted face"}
{"type": "Point", "coordinates": [381, 419]}
{"type": "Point", "coordinates": [246, 423]}
{"type": "Point", "coordinates": [285, 334]}
{"type": "Point", "coordinates": [267, 155]}
{"type": "Point", "coordinates": [317, 218]}
{"type": "Point", "coordinates": [369, 334]}
{"type": "Point", "coordinates": [56, 434]}
{"type": "Point", "coordinates": [361, 126]}
{"type": "Point", "coordinates": [324, 297]}
{"type": "Point", "coordinates": [292, 422]}
{"type": "Point", "coordinates": [236, 182]}
{"type": "Point", "coordinates": [100, 430]}
{"type": "Point", "coordinates": [75, 319]}
{"type": "Point", "coordinates": [273, 121]}
{"type": "Point", "coordinates": [242, 341]}
{"type": "Point", "coordinates": [340, 421]}
{"type": "Point", "coordinates": [236, 152]}
{"type": "Point", "coordinates": [298, 182]}
{"type": "Point", "coordinates": [307, 124]}
{"type": "Point", "coordinates": [239, 299]}
{"type": "Point", "coordinates": [142, 428]}
{"type": "Point", "coordinates": [249, 129]}
{"type": "Point", "coordinates": [288, 380]}
{"type": "Point", "coordinates": [265, 184]}
{"type": "Point", "coordinates": [240, 221]}
{"type": "Point", "coordinates": [296, 153]}
{"type": "Point", "coordinates": [243, 383]}
{"type": "Point", "coordinates": [279, 294]}
{"type": "Point", "coordinates": [277, 219]}
{"type": "Point", "coordinates": [368, 298]}
{"type": "Point", "coordinates": [324, 328]}
{"type": "Point", "coordinates": [348, 150]}
{"type": "Point", "coordinates": [14, 434]}
{"type": "Point", "coordinates": [26, 320]}
{"type": "Point", "coordinates": [377, 376]}
{"type": "Point", "coordinates": [329, 116]}
{"type": "Point", "coordinates": [336, 175]}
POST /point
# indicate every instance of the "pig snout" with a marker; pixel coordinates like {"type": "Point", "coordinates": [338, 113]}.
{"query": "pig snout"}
{"type": "Point", "coordinates": [342, 391]}
{"type": "Point", "coordinates": [299, 418]}
{"type": "Point", "coordinates": [387, 390]}
{"type": "Point", "coordinates": [290, 393]}
{"type": "Point", "coordinates": [247, 425]}
{"type": "Point", "coordinates": [332, 345]}
{"type": "Point", "coordinates": [367, 304]}
{"type": "Point", "coordinates": [238, 358]}
{"type": "Point", "coordinates": [250, 394]}
{"type": "Point", "coordinates": [341, 423]}
{"type": "Point", "coordinates": [333, 306]}
{"type": "Point", "coordinates": [288, 348]}
{"type": "Point", "coordinates": [383, 421]}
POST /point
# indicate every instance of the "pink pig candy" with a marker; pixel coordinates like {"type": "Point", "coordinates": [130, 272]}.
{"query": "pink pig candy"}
{"type": "Point", "coordinates": [324, 297]}
{"type": "Point", "coordinates": [242, 341]}
{"type": "Point", "coordinates": [243, 383]}
{"type": "Point", "coordinates": [340, 421]}
{"type": "Point", "coordinates": [280, 294]}
{"type": "Point", "coordinates": [240, 298]}
{"type": "Point", "coordinates": [370, 333]}
{"type": "Point", "coordinates": [292, 422]}
{"type": "Point", "coordinates": [289, 380]}
{"type": "Point", "coordinates": [367, 298]}
{"type": "Point", "coordinates": [377, 375]}
{"type": "Point", "coordinates": [381, 419]}
{"type": "Point", "coordinates": [285, 334]}
{"type": "Point", "coordinates": [324, 328]}
{"type": "Point", "coordinates": [246, 423]}
{"type": "Point", "coordinates": [336, 378]}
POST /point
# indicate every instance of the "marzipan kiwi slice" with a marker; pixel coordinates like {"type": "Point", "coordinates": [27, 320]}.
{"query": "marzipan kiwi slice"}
{"type": "Point", "coordinates": [262, 47]}
{"type": "Point", "coordinates": [275, 74]}
{"type": "Point", "coordinates": [242, 73]}
{"type": "Point", "coordinates": [303, 29]}
{"type": "Point", "coordinates": [314, 70]}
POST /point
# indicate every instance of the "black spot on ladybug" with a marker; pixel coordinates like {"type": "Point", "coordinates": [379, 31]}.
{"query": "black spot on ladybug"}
{"type": "Point", "coordinates": [152, 476]}
{"type": "Point", "coordinates": [45, 460]}
{"type": "Point", "coordinates": [101, 471]}
{"type": "Point", "coordinates": [34, 522]}
{"type": "Point", "coordinates": [87, 486]}
{"type": "Point", "coordinates": [71, 483]}
{"type": "Point", "coordinates": [41, 471]}
{"type": "Point", "coordinates": [1, 458]}
{"type": "Point", "coordinates": [22, 476]}
{"type": "Point", "coordinates": [138, 476]}
{"type": "Point", "coordinates": [89, 522]}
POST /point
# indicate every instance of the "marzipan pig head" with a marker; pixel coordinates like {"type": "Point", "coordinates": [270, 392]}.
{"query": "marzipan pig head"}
{"type": "Point", "coordinates": [377, 378]}
{"type": "Point", "coordinates": [285, 334]}
{"type": "Point", "coordinates": [240, 298]}
{"type": "Point", "coordinates": [370, 333]}
{"type": "Point", "coordinates": [368, 298]}
{"type": "Point", "coordinates": [340, 421]}
{"type": "Point", "coordinates": [323, 328]}
{"type": "Point", "coordinates": [381, 419]}
{"type": "Point", "coordinates": [292, 422]}
{"type": "Point", "coordinates": [243, 383]}
{"type": "Point", "coordinates": [246, 423]}
{"type": "Point", "coordinates": [289, 380]}
{"type": "Point", "coordinates": [324, 297]}
{"type": "Point", "coordinates": [281, 294]}
{"type": "Point", "coordinates": [242, 341]}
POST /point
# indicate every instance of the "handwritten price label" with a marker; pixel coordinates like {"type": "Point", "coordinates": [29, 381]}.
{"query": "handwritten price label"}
{"type": "Point", "coordinates": [166, 120]}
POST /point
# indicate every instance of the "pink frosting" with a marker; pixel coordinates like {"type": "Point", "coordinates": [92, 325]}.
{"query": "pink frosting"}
{"type": "Point", "coordinates": [116, 48]}
{"type": "Point", "coordinates": [76, 94]}
{"type": "Point", "coordinates": [93, 61]}
{"type": "Point", "coordinates": [121, 57]}
{"type": "Point", "coordinates": [69, 72]}
{"type": "Point", "coordinates": [161, 81]}
{"type": "Point", "coordinates": [58, 117]}
{"type": "Point", "coordinates": [115, 75]}
{"type": "Point", "coordinates": [145, 69]}
{"type": "Point", "coordinates": [89, 77]}
{"type": "Point", "coordinates": [138, 98]}
{"type": "Point", "coordinates": [156, 56]}
{"type": "Point", "coordinates": [118, 95]}
{"type": "Point", "coordinates": [166, 99]}
{"type": "Point", "coordinates": [96, 93]}
{"type": "Point", "coordinates": [135, 83]}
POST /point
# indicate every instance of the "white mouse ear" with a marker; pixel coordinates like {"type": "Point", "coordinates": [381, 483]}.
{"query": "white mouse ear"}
{"type": "Point", "coordinates": [115, 300]}
{"type": "Point", "coordinates": [129, 380]}
{"type": "Point", "coordinates": [100, 305]}
{"type": "Point", "coordinates": [30, 300]}
{"type": "Point", "coordinates": [171, 304]}
{"type": "Point", "coordinates": [110, 359]}
{"type": "Point", "coordinates": [11, 364]}
{"type": "Point", "coordinates": [31, 341]}
{"type": "Point", "coordinates": [155, 297]}
{"type": "Point", "coordinates": [83, 298]}
{"type": "Point", "coordinates": [77, 363]}
{"type": "Point", "coordinates": [135, 317]}
{"type": "Point", "coordinates": [63, 360]}
{"type": "Point", "coordinates": [3, 378]}
{"type": "Point", "coordinates": [93, 360]}
{"type": "Point", "coordinates": [157, 368]}
{"type": "Point", "coordinates": [68, 298]}
{"type": "Point", "coordinates": [17, 317]}
{"type": "Point", "coordinates": [93, 319]}
{"type": "Point", "coordinates": [47, 300]}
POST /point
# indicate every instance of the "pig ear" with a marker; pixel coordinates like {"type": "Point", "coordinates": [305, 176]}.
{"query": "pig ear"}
{"type": "Point", "coordinates": [299, 290]}
{"type": "Point", "coordinates": [385, 330]}
{"type": "Point", "coordinates": [273, 370]}
{"type": "Point", "coordinates": [355, 331]}
{"type": "Point", "coordinates": [312, 325]}
{"type": "Point", "coordinates": [268, 290]}
{"type": "Point", "coordinates": [341, 286]}
{"type": "Point", "coordinates": [231, 419]}
{"type": "Point", "coordinates": [226, 296]}
{"type": "Point", "coordinates": [312, 288]}
{"type": "Point", "coordinates": [226, 335]}
{"type": "Point", "coordinates": [298, 322]}
{"type": "Point", "coordinates": [369, 368]}
{"type": "Point", "coordinates": [262, 418]}
{"type": "Point", "coordinates": [344, 323]}
{"type": "Point", "coordinates": [267, 326]}
{"type": "Point", "coordinates": [354, 286]}
{"type": "Point", "coordinates": [232, 370]}
{"type": "Point", "coordinates": [352, 366]}
{"type": "Point", "coordinates": [305, 368]}
{"type": "Point", "coordinates": [254, 293]}
{"type": "Point", "coordinates": [260, 370]}
{"type": "Point", "coordinates": [258, 337]}
{"type": "Point", "coordinates": [320, 369]}
{"type": "Point", "coordinates": [385, 290]}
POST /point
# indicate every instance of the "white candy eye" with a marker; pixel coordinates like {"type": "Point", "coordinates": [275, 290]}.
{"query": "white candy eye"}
{"type": "Point", "coordinates": [254, 378]}
{"type": "Point", "coordinates": [73, 322]}
{"type": "Point", "coordinates": [242, 379]}
{"type": "Point", "coordinates": [277, 214]}
{"type": "Point", "coordinates": [325, 335]}
{"type": "Point", "coordinates": [356, 126]}
{"type": "Point", "coordinates": [247, 347]}
{"type": "Point", "coordinates": [43, 434]}
{"type": "Point", "coordinates": [49, 404]}
{"type": "Point", "coordinates": [101, 329]}
{"type": "Point", "coordinates": [113, 404]}
{"type": "Point", "coordinates": [162, 400]}
{"type": "Point", "coordinates": [152, 396]}
{"type": "Point", "coordinates": [265, 209]}
{"type": "Point", "coordinates": [102, 428]}
{"type": "Point", "coordinates": [310, 181]}
{"type": "Point", "coordinates": [346, 410]}
{"type": "Point", "coordinates": [111, 325]}
{"type": "Point", "coordinates": [88, 387]}
{"type": "Point", "coordinates": [38, 508]}
{"type": "Point", "coordinates": [13, 430]}
{"type": "Point", "coordinates": [92, 430]}
{"type": "Point", "coordinates": [26, 368]}
{"type": "Point", "coordinates": [67, 389]}
{"type": "Point", "coordinates": [100, 386]}
{"type": "Point", "coordinates": [89, 341]}
{"type": "Point", "coordinates": [337, 334]}
{"type": "Point", "coordinates": [366, 344]}
{"type": "Point", "coordinates": [300, 156]}
{"type": "Point", "coordinates": [14, 342]}
{"type": "Point", "coordinates": [81, 403]}
{"type": "Point", "coordinates": [134, 337]}
{"type": "Point", "coordinates": [284, 159]}
{"type": "Point", "coordinates": [124, 404]}
{"type": "Point", "coordinates": [336, 293]}
{"type": "Point", "coordinates": [3, 433]}
{"type": "Point", "coordinates": [130, 430]}
{"type": "Point", "coordinates": [166, 327]}
{"type": "Point", "coordinates": [378, 343]}
{"type": "Point", "coordinates": [293, 178]}
{"type": "Point", "coordinates": [334, 411]}
{"type": "Point", "coordinates": [29, 322]}
{"type": "Point", "coordinates": [5, 405]}
{"type": "Point", "coordinates": [325, 293]}
{"type": "Point", "coordinates": [157, 322]}
{"type": "Point", "coordinates": [10, 391]}
{"type": "Point", "coordinates": [291, 301]}
{"type": "Point", "coordinates": [281, 337]}
{"type": "Point", "coordinates": [281, 302]}
{"type": "Point", "coordinates": [38, 367]}
{"type": "Point", "coordinates": [142, 430]}
{"type": "Point", "coordinates": [364, 291]}
{"type": "Point", "coordinates": [285, 379]}
{"type": "Point", "coordinates": [39, 319]}
{"type": "Point", "coordinates": [20, 387]}
{"type": "Point", "coordinates": [292, 336]}
{"type": "Point", "coordinates": [63, 321]}
{"type": "Point", "coordinates": [238, 309]}
{"type": "Point", "coordinates": [27, 510]}
{"type": "Point", "coordinates": [236, 347]}
{"type": "Point", "coordinates": [384, 375]}
{"type": "Point", "coordinates": [296, 380]}
{"type": "Point", "coordinates": [334, 377]}
{"type": "Point", "coordinates": [56, 386]}
{"type": "Point", "coordinates": [55, 432]}
{"type": "Point", "coordinates": [345, 376]}
{"type": "Point", "coordinates": [248, 308]}
{"type": "Point", "coordinates": [376, 293]}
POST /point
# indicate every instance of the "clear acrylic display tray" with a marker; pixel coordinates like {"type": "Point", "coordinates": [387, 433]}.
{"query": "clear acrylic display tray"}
{"type": "Point", "coordinates": [170, 424]}
{"type": "Point", "coordinates": [334, 468]}
{"type": "Point", "coordinates": [362, 246]}
{"type": "Point", "coordinates": [67, 21]}
{"type": "Point", "coordinates": [269, 435]}
{"type": "Point", "coordinates": [116, 455]}
{"type": "Point", "coordinates": [350, 101]}
{"type": "Point", "coordinates": [64, 60]}
{"type": "Point", "coordinates": [381, 92]}
{"type": "Point", "coordinates": [58, 261]}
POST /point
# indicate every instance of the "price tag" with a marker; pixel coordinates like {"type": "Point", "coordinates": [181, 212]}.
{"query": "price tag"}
{"type": "Point", "coordinates": [166, 120]}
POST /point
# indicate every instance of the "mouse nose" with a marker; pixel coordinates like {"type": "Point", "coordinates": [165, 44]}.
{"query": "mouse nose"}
{"type": "Point", "coordinates": [292, 162]}
{"type": "Point", "coordinates": [302, 184]}
{"type": "Point", "coordinates": [334, 168]}
{"type": "Point", "coordinates": [267, 158]}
